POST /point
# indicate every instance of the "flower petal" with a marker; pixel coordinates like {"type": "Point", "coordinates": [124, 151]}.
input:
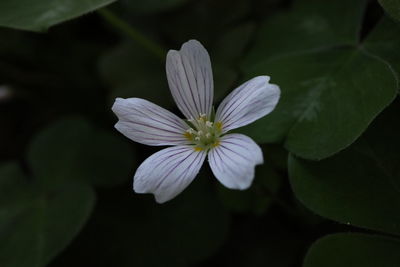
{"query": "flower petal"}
{"type": "Point", "coordinates": [168, 172]}
{"type": "Point", "coordinates": [149, 124]}
{"type": "Point", "coordinates": [190, 79]}
{"type": "Point", "coordinates": [247, 103]}
{"type": "Point", "coordinates": [234, 160]}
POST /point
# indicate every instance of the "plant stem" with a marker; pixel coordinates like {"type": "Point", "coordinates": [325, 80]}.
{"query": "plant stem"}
{"type": "Point", "coordinates": [133, 33]}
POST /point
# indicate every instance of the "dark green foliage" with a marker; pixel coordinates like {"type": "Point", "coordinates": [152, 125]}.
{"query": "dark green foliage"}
{"type": "Point", "coordinates": [359, 186]}
{"type": "Point", "coordinates": [392, 7]}
{"type": "Point", "coordinates": [354, 250]}
{"type": "Point", "coordinates": [37, 220]}
{"type": "Point", "coordinates": [315, 117]}
{"type": "Point", "coordinates": [39, 16]}
{"type": "Point", "coordinates": [328, 193]}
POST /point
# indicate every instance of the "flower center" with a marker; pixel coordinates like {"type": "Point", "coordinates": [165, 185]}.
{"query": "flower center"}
{"type": "Point", "coordinates": [204, 134]}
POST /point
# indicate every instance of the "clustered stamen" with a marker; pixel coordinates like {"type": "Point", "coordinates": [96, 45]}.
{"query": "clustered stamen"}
{"type": "Point", "coordinates": [204, 134]}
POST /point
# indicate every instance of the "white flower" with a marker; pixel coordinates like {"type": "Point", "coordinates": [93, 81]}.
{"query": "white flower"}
{"type": "Point", "coordinates": [232, 157]}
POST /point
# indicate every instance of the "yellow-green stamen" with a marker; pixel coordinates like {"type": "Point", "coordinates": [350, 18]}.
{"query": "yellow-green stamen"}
{"type": "Point", "coordinates": [204, 134]}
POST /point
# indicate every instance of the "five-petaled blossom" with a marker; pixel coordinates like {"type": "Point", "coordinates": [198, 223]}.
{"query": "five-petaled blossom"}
{"type": "Point", "coordinates": [232, 157]}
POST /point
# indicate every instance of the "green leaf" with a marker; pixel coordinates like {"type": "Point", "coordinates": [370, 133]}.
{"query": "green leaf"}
{"type": "Point", "coordinates": [320, 93]}
{"type": "Point", "coordinates": [42, 14]}
{"type": "Point", "coordinates": [355, 250]}
{"type": "Point", "coordinates": [132, 72]}
{"type": "Point", "coordinates": [74, 149]}
{"type": "Point", "coordinates": [324, 76]}
{"type": "Point", "coordinates": [36, 224]}
{"type": "Point", "coordinates": [150, 6]}
{"type": "Point", "coordinates": [384, 42]}
{"type": "Point", "coordinates": [359, 186]}
{"type": "Point", "coordinates": [323, 79]}
{"type": "Point", "coordinates": [309, 24]}
{"type": "Point", "coordinates": [392, 7]}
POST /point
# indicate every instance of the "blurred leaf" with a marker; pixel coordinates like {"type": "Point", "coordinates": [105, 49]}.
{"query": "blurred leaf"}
{"type": "Point", "coordinates": [136, 231]}
{"type": "Point", "coordinates": [355, 250]}
{"type": "Point", "coordinates": [132, 72]}
{"type": "Point", "coordinates": [193, 226]}
{"type": "Point", "coordinates": [258, 197]}
{"type": "Point", "coordinates": [230, 46]}
{"type": "Point", "coordinates": [73, 149]}
{"type": "Point", "coordinates": [204, 20]}
{"type": "Point", "coordinates": [392, 7]}
{"type": "Point", "coordinates": [309, 24]}
{"type": "Point", "coordinates": [384, 42]}
{"type": "Point", "coordinates": [359, 186]}
{"type": "Point", "coordinates": [42, 14]}
{"type": "Point", "coordinates": [316, 112]}
{"type": "Point", "coordinates": [224, 79]}
{"type": "Point", "coordinates": [225, 56]}
{"type": "Point", "coordinates": [37, 224]}
{"type": "Point", "coordinates": [150, 6]}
